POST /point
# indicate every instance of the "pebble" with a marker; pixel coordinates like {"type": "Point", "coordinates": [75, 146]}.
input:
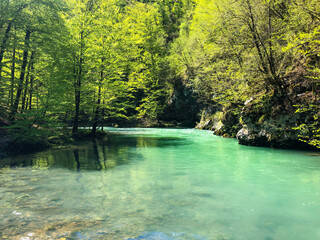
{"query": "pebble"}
{"type": "Point", "coordinates": [15, 212]}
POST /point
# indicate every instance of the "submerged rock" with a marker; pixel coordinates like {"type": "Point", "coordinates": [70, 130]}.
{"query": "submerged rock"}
{"type": "Point", "coordinates": [163, 236]}
{"type": "Point", "coordinates": [152, 236]}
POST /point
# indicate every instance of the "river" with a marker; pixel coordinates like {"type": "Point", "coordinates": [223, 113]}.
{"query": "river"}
{"type": "Point", "coordinates": [161, 184]}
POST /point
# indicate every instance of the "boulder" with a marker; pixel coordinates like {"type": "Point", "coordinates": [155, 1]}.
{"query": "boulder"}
{"type": "Point", "coordinates": [251, 138]}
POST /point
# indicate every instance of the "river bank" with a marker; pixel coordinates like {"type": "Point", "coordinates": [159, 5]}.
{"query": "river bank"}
{"type": "Point", "coordinates": [32, 140]}
{"type": "Point", "coordinates": [287, 123]}
{"type": "Point", "coordinates": [260, 121]}
{"type": "Point", "coordinates": [13, 144]}
{"type": "Point", "coordinates": [227, 124]}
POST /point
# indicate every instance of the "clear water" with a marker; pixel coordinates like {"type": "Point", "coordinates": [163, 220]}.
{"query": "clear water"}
{"type": "Point", "coordinates": [161, 184]}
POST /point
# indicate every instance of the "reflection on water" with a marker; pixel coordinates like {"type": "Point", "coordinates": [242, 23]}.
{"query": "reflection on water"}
{"type": "Point", "coordinates": [160, 184]}
{"type": "Point", "coordinates": [97, 154]}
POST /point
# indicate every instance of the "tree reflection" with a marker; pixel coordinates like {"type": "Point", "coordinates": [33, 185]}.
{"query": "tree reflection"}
{"type": "Point", "coordinates": [42, 162]}
{"type": "Point", "coordinates": [98, 154]}
{"type": "Point", "coordinates": [101, 150]}
{"type": "Point", "coordinates": [76, 157]}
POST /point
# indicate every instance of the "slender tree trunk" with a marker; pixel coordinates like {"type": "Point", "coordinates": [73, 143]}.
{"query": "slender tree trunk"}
{"type": "Point", "coordinates": [2, 50]}
{"type": "Point", "coordinates": [25, 91]}
{"type": "Point", "coordinates": [13, 68]}
{"type": "Point", "coordinates": [102, 116]}
{"type": "Point", "coordinates": [6, 37]}
{"type": "Point", "coordinates": [265, 50]}
{"type": "Point", "coordinates": [257, 43]}
{"type": "Point", "coordinates": [77, 87]}
{"type": "Point", "coordinates": [93, 104]}
{"type": "Point", "coordinates": [46, 105]}
{"type": "Point", "coordinates": [270, 55]}
{"type": "Point", "coordinates": [96, 115]}
{"type": "Point", "coordinates": [31, 85]}
{"type": "Point", "coordinates": [77, 105]}
{"type": "Point", "coordinates": [37, 88]}
{"type": "Point", "coordinates": [22, 73]}
{"type": "Point", "coordinates": [260, 47]}
{"type": "Point", "coordinates": [4, 43]}
{"type": "Point", "coordinates": [279, 89]}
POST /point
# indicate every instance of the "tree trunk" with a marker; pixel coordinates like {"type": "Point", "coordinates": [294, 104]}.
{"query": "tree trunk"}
{"type": "Point", "coordinates": [25, 91]}
{"type": "Point", "coordinates": [96, 115]}
{"type": "Point", "coordinates": [2, 50]}
{"type": "Point", "coordinates": [13, 68]}
{"type": "Point", "coordinates": [6, 36]}
{"type": "Point", "coordinates": [77, 107]}
{"type": "Point", "coordinates": [46, 105]}
{"type": "Point", "coordinates": [22, 73]}
{"type": "Point", "coordinates": [37, 93]}
{"type": "Point", "coordinates": [257, 43]}
{"type": "Point", "coordinates": [265, 50]}
{"type": "Point", "coordinates": [31, 85]}
{"type": "Point", "coordinates": [279, 89]}
{"type": "Point", "coordinates": [102, 115]}
{"type": "Point", "coordinates": [77, 87]}
{"type": "Point", "coordinates": [3, 45]}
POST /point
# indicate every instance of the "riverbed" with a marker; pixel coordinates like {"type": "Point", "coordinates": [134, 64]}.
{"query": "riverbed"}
{"type": "Point", "coordinates": [161, 184]}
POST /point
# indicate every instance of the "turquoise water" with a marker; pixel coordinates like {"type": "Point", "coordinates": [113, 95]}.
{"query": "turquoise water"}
{"type": "Point", "coordinates": [161, 184]}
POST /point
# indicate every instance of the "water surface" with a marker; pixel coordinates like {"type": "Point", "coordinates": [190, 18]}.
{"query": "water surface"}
{"type": "Point", "coordinates": [161, 184]}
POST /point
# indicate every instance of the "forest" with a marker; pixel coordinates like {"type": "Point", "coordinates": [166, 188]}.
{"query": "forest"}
{"type": "Point", "coordinates": [248, 68]}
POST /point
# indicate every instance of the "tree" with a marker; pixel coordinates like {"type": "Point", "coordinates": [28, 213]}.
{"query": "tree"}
{"type": "Point", "coordinates": [79, 22]}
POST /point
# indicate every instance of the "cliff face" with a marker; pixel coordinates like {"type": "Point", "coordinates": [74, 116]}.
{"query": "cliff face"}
{"type": "Point", "coordinates": [223, 121]}
{"type": "Point", "coordinates": [182, 108]}
{"type": "Point", "coordinates": [271, 124]}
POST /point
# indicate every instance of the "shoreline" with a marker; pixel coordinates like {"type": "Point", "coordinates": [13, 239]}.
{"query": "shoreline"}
{"type": "Point", "coordinates": [67, 140]}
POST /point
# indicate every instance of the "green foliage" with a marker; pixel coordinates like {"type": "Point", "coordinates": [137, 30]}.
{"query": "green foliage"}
{"type": "Point", "coordinates": [32, 127]}
{"type": "Point", "coordinates": [309, 130]}
{"type": "Point", "coordinates": [116, 60]}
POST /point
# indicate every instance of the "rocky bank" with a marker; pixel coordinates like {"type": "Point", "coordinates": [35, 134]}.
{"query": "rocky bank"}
{"type": "Point", "coordinates": [266, 121]}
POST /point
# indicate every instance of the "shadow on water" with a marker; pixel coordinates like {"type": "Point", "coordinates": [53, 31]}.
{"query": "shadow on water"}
{"type": "Point", "coordinates": [97, 154]}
